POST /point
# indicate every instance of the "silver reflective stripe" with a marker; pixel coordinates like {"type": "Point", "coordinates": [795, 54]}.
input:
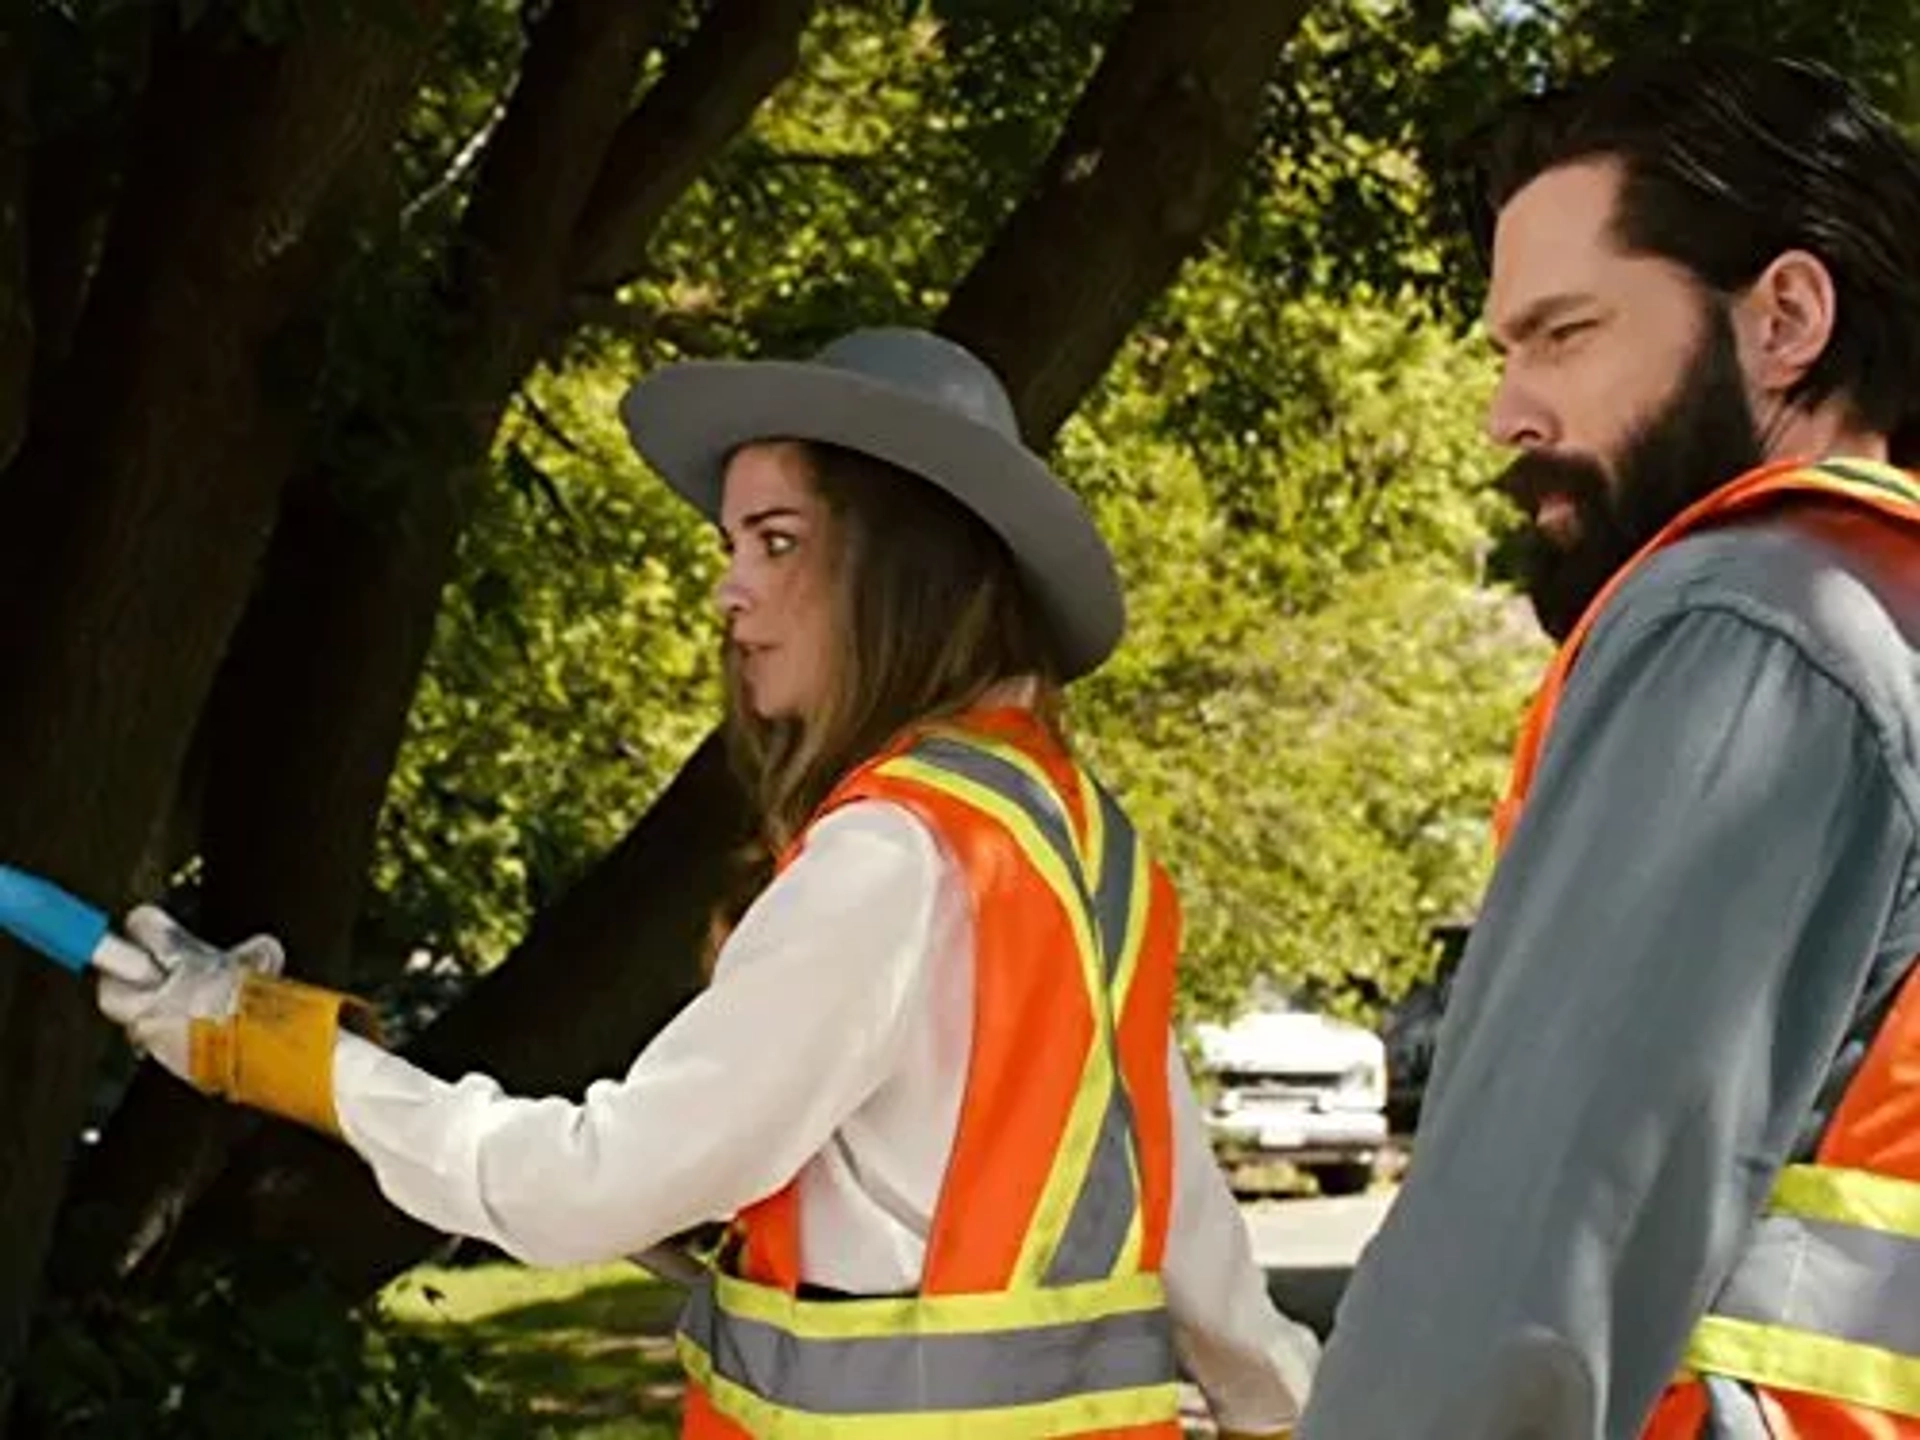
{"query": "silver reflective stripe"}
{"type": "Point", "coordinates": [1040, 804]}
{"type": "Point", "coordinates": [1838, 1280]}
{"type": "Point", "coordinates": [1103, 1211]}
{"type": "Point", "coordinates": [1733, 1412]}
{"type": "Point", "coordinates": [1113, 894]}
{"type": "Point", "coordinates": [909, 1374]}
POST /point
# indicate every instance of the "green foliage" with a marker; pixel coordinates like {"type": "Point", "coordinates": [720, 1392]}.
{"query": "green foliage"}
{"type": "Point", "coordinates": [204, 1363]}
{"type": "Point", "coordinates": [1312, 709]}
{"type": "Point", "coordinates": [1321, 794]}
{"type": "Point", "coordinates": [1371, 111]}
{"type": "Point", "coordinates": [590, 1348]}
{"type": "Point", "coordinates": [1291, 475]}
{"type": "Point", "coordinates": [572, 671]}
{"type": "Point", "coordinates": [1311, 714]}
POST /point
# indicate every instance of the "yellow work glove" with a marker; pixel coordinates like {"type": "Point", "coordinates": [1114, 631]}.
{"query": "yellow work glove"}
{"type": "Point", "coordinates": [226, 1023]}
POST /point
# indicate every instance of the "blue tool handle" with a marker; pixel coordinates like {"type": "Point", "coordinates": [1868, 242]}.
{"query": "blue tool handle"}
{"type": "Point", "coordinates": [39, 913]}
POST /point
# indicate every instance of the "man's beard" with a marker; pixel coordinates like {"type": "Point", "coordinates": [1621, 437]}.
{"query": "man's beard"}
{"type": "Point", "coordinates": [1704, 436]}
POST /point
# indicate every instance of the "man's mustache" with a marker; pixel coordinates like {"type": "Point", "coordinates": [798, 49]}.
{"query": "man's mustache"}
{"type": "Point", "coordinates": [1535, 475]}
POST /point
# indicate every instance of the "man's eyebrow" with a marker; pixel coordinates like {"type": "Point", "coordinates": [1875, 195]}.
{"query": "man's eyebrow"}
{"type": "Point", "coordinates": [1536, 317]}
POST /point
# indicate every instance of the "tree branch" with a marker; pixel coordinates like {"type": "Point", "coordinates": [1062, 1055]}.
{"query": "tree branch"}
{"type": "Point", "coordinates": [532, 186]}
{"type": "Point", "coordinates": [742, 50]}
{"type": "Point", "coordinates": [1146, 166]}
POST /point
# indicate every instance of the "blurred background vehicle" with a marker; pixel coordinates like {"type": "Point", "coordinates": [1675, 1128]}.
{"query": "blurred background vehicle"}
{"type": "Point", "coordinates": [1286, 1083]}
{"type": "Point", "coordinates": [1411, 1031]}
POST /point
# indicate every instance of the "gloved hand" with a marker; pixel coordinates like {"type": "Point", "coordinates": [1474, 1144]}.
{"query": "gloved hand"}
{"type": "Point", "coordinates": [223, 1020]}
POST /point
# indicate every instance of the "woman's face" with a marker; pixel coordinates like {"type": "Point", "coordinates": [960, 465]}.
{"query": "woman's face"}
{"type": "Point", "coordinates": [777, 595]}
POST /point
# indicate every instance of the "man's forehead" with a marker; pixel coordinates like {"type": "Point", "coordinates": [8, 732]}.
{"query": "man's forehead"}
{"type": "Point", "coordinates": [1554, 237]}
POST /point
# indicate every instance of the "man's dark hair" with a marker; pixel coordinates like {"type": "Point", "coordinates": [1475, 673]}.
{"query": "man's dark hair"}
{"type": "Point", "coordinates": [1731, 159]}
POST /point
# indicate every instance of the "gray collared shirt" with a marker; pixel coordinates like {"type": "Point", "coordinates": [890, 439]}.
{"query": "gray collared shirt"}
{"type": "Point", "coordinates": [1716, 880]}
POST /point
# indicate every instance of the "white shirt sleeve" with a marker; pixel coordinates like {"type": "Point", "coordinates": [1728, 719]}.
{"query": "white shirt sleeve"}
{"type": "Point", "coordinates": [1251, 1362]}
{"type": "Point", "coordinates": [802, 1023]}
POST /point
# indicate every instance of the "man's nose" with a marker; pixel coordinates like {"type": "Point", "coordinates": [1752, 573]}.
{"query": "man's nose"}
{"type": "Point", "coordinates": [1517, 418]}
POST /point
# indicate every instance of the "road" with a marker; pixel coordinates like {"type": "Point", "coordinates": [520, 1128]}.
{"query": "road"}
{"type": "Point", "coordinates": [1313, 1234]}
{"type": "Point", "coordinates": [1306, 1247]}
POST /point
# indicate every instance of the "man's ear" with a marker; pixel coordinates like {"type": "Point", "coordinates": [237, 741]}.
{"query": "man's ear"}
{"type": "Point", "coordinates": [1785, 320]}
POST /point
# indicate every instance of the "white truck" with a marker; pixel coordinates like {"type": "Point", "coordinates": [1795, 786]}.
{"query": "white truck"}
{"type": "Point", "coordinates": [1289, 1084]}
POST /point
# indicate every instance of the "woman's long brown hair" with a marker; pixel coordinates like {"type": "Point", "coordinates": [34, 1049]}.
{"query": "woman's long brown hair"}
{"type": "Point", "coordinates": [931, 615]}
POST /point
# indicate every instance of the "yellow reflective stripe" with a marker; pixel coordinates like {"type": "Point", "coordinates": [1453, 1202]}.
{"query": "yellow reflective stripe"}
{"type": "Point", "coordinates": [1074, 1159]}
{"type": "Point", "coordinates": [1869, 478]}
{"type": "Point", "coordinates": [1126, 966]}
{"type": "Point", "coordinates": [1814, 1364]}
{"type": "Point", "coordinates": [1074, 1415]}
{"type": "Point", "coordinates": [1093, 850]}
{"type": "Point", "coordinates": [1074, 1153]}
{"type": "Point", "coordinates": [1071, 1161]}
{"type": "Point", "coordinates": [986, 1313]}
{"type": "Point", "coordinates": [1849, 1197]}
{"type": "Point", "coordinates": [1032, 843]}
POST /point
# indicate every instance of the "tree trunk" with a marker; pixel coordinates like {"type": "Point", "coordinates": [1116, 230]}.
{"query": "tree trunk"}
{"type": "Point", "coordinates": [596, 970]}
{"type": "Point", "coordinates": [312, 703]}
{"type": "Point", "coordinates": [16, 310]}
{"type": "Point", "coordinates": [119, 594]}
{"type": "Point", "coordinates": [76, 166]}
{"type": "Point", "coordinates": [1146, 166]}
{"type": "Point", "coordinates": [526, 1025]}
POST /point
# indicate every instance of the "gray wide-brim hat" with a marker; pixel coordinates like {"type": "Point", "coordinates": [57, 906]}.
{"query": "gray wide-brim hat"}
{"type": "Point", "coordinates": [915, 400]}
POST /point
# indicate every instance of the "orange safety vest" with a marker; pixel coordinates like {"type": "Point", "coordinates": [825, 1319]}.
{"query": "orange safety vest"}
{"type": "Point", "coordinates": [1040, 1310]}
{"type": "Point", "coordinates": [1815, 1335]}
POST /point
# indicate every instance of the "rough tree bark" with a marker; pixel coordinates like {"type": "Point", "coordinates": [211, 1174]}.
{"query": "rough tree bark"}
{"type": "Point", "coordinates": [119, 595]}
{"type": "Point", "coordinates": [311, 705]}
{"type": "Point", "coordinates": [16, 307]}
{"type": "Point", "coordinates": [314, 1198]}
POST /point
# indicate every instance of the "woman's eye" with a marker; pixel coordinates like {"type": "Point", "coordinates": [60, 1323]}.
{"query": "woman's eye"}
{"type": "Point", "coordinates": [1570, 330]}
{"type": "Point", "coordinates": [778, 544]}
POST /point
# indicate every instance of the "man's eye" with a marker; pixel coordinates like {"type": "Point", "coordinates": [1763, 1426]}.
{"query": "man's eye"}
{"type": "Point", "coordinates": [1568, 330]}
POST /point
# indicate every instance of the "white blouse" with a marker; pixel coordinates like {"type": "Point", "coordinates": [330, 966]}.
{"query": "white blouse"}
{"type": "Point", "coordinates": [832, 1045]}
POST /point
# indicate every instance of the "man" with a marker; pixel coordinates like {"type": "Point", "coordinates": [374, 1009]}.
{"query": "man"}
{"type": "Point", "coordinates": [1668, 1180]}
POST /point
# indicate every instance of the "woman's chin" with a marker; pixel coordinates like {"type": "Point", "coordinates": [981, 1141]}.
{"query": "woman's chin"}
{"type": "Point", "coordinates": [772, 710]}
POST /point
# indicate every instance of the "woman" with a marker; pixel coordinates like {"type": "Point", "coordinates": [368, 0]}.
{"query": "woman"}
{"type": "Point", "coordinates": [932, 1082]}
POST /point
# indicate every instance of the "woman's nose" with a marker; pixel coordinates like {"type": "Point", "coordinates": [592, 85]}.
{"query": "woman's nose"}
{"type": "Point", "coordinates": [730, 596]}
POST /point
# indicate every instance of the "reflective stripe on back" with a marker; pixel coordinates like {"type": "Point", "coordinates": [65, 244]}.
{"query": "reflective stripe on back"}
{"type": "Point", "coordinates": [898, 1371]}
{"type": "Point", "coordinates": [1103, 1235]}
{"type": "Point", "coordinates": [1814, 1364]}
{"type": "Point", "coordinates": [1088, 1221]}
{"type": "Point", "coordinates": [1074, 1338]}
{"type": "Point", "coordinates": [1836, 1280]}
{"type": "Point", "coordinates": [1825, 1298]}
